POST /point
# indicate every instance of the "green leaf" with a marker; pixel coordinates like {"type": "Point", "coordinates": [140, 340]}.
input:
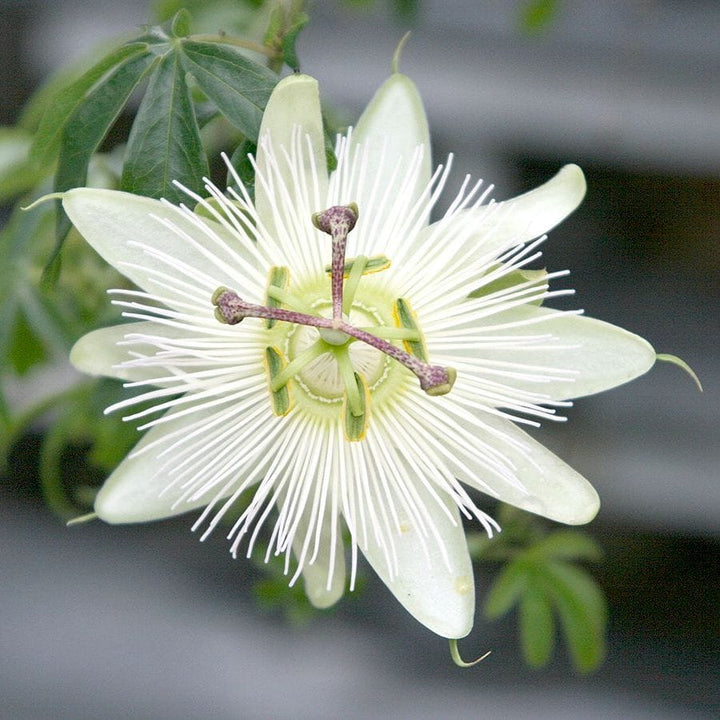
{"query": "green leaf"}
{"type": "Point", "coordinates": [568, 545]}
{"type": "Point", "coordinates": [537, 626]}
{"type": "Point", "coordinates": [26, 348]}
{"type": "Point", "coordinates": [22, 234]}
{"type": "Point", "coordinates": [164, 143]}
{"type": "Point", "coordinates": [290, 38]}
{"type": "Point", "coordinates": [507, 588]}
{"type": "Point", "coordinates": [238, 86]}
{"type": "Point", "coordinates": [180, 25]}
{"type": "Point", "coordinates": [243, 167]}
{"type": "Point", "coordinates": [66, 99]}
{"type": "Point", "coordinates": [89, 124]}
{"type": "Point", "coordinates": [537, 15]}
{"type": "Point", "coordinates": [582, 609]}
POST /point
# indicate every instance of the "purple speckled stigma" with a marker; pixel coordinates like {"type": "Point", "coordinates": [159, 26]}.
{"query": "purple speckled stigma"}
{"type": "Point", "coordinates": [337, 222]}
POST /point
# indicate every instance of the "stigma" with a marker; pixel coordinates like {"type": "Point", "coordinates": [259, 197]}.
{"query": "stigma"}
{"type": "Point", "coordinates": [336, 334]}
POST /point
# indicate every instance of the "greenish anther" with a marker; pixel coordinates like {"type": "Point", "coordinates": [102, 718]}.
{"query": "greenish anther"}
{"type": "Point", "coordinates": [347, 373]}
{"type": "Point", "coordinates": [274, 363]}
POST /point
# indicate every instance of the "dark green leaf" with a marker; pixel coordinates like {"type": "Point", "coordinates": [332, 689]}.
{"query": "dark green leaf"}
{"type": "Point", "coordinates": [89, 124]}
{"type": "Point", "coordinates": [205, 112]}
{"type": "Point", "coordinates": [243, 167]}
{"type": "Point", "coordinates": [507, 588]}
{"type": "Point", "coordinates": [537, 626]}
{"type": "Point", "coordinates": [66, 99]}
{"type": "Point", "coordinates": [582, 610]}
{"type": "Point", "coordinates": [21, 235]}
{"type": "Point", "coordinates": [164, 143]}
{"type": "Point", "coordinates": [238, 86]}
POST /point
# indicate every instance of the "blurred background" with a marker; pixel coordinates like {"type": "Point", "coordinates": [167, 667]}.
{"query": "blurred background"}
{"type": "Point", "coordinates": [117, 622]}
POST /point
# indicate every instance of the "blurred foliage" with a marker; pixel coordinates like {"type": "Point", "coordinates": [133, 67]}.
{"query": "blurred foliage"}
{"type": "Point", "coordinates": [405, 11]}
{"type": "Point", "coordinates": [542, 578]}
{"type": "Point", "coordinates": [536, 16]}
{"type": "Point", "coordinates": [203, 74]}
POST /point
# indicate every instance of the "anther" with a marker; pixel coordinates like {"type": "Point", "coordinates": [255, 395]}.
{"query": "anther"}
{"type": "Point", "coordinates": [278, 283]}
{"type": "Point", "coordinates": [280, 396]}
{"type": "Point", "coordinates": [434, 379]}
{"type": "Point", "coordinates": [405, 318]}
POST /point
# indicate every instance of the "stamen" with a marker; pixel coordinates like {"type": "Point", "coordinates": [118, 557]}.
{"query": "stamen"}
{"type": "Point", "coordinates": [278, 279]}
{"type": "Point", "coordinates": [231, 309]}
{"type": "Point", "coordinates": [356, 272]}
{"type": "Point", "coordinates": [353, 388]}
{"type": "Point", "coordinates": [357, 420]}
{"type": "Point", "coordinates": [337, 222]}
{"type": "Point", "coordinates": [274, 364]}
{"type": "Point", "coordinates": [405, 318]}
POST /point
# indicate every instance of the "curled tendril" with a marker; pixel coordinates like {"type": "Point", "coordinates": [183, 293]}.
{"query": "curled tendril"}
{"type": "Point", "coordinates": [457, 659]}
{"type": "Point", "coordinates": [81, 519]}
{"type": "Point", "coordinates": [675, 360]}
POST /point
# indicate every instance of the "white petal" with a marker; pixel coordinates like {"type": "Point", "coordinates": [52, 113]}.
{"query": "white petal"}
{"type": "Point", "coordinates": [489, 230]}
{"type": "Point", "coordinates": [316, 573]}
{"type": "Point", "coordinates": [128, 231]}
{"type": "Point", "coordinates": [98, 352]}
{"type": "Point", "coordinates": [292, 119]}
{"type": "Point", "coordinates": [538, 211]}
{"type": "Point", "coordinates": [391, 129]}
{"type": "Point", "coordinates": [139, 488]}
{"type": "Point", "coordinates": [557, 355]}
{"type": "Point", "coordinates": [524, 472]}
{"type": "Point", "coordinates": [439, 596]}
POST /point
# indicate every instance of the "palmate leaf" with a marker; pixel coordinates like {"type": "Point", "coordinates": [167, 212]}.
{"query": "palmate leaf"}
{"type": "Point", "coordinates": [34, 326]}
{"type": "Point", "coordinates": [507, 589]}
{"type": "Point", "coordinates": [582, 610]}
{"type": "Point", "coordinates": [164, 143]}
{"type": "Point", "coordinates": [66, 99]}
{"type": "Point", "coordinates": [88, 125]}
{"type": "Point", "coordinates": [543, 581]}
{"type": "Point", "coordinates": [537, 625]}
{"type": "Point", "coordinates": [569, 545]}
{"type": "Point", "coordinates": [239, 87]}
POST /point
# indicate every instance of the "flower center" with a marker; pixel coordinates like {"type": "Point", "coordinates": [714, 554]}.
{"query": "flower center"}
{"type": "Point", "coordinates": [347, 357]}
{"type": "Point", "coordinates": [321, 377]}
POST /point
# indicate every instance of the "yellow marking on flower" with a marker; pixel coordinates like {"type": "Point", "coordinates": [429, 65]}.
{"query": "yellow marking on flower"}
{"type": "Point", "coordinates": [463, 584]}
{"type": "Point", "coordinates": [405, 317]}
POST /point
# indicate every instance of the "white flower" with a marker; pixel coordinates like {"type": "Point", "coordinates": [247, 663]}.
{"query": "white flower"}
{"type": "Point", "coordinates": [320, 432]}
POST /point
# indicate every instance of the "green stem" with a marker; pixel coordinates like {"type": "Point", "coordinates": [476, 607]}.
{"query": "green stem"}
{"type": "Point", "coordinates": [318, 348]}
